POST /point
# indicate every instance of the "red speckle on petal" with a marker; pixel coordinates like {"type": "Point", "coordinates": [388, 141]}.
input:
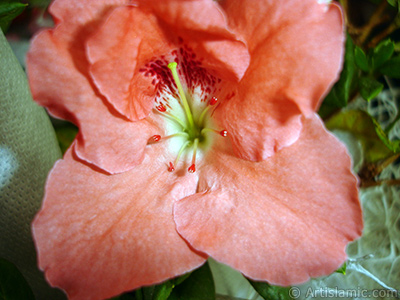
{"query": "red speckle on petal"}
{"type": "Point", "coordinates": [223, 133]}
{"type": "Point", "coordinates": [192, 168]}
{"type": "Point", "coordinates": [171, 167]}
{"type": "Point", "coordinates": [161, 108]}
{"type": "Point", "coordinates": [213, 101]}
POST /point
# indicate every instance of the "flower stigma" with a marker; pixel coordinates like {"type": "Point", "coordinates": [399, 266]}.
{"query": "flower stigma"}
{"type": "Point", "coordinates": [187, 106]}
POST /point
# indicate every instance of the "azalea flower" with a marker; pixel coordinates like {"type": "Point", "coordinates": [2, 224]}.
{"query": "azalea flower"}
{"type": "Point", "coordinates": [198, 137]}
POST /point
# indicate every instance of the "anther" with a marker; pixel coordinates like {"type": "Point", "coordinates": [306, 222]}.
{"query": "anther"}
{"type": "Point", "coordinates": [213, 101]}
{"type": "Point", "coordinates": [223, 133]}
{"type": "Point", "coordinates": [192, 168]}
{"type": "Point", "coordinates": [156, 138]}
{"type": "Point", "coordinates": [171, 167]}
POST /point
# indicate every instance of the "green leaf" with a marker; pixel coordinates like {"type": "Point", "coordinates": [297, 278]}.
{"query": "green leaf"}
{"type": "Point", "coordinates": [198, 286]}
{"type": "Point", "coordinates": [393, 3]}
{"type": "Point", "coordinates": [391, 68]}
{"type": "Point", "coordinates": [341, 91]}
{"type": "Point", "coordinates": [342, 269]}
{"type": "Point", "coordinates": [374, 141]}
{"type": "Point", "coordinates": [369, 88]}
{"type": "Point", "coordinates": [39, 3]}
{"type": "Point", "coordinates": [361, 59]}
{"type": "Point", "coordinates": [159, 292]}
{"type": "Point", "coordinates": [271, 292]}
{"type": "Point", "coordinates": [65, 132]}
{"type": "Point", "coordinates": [155, 292]}
{"type": "Point", "coordinates": [382, 53]}
{"type": "Point", "coordinates": [8, 12]}
{"type": "Point", "coordinates": [27, 133]}
{"type": "Point", "coordinates": [13, 285]}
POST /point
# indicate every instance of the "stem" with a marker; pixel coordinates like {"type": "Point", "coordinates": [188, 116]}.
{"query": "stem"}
{"type": "Point", "coordinates": [375, 20]}
{"type": "Point", "coordinates": [172, 67]}
{"type": "Point", "coordinates": [345, 6]}
{"type": "Point", "coordinates": [391, 125]}
{"type": "Point", "coordinates": [392, 27]}
{"type": "Point", "coordinates": [380, 182]}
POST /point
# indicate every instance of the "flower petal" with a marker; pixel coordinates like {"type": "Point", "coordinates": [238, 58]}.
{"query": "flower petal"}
{"type": "Point", "coordinates": [282, 220]}
{"type": "Point", "coordinates": [296, 52]}
{"type": "Point", "coordinates": [110, 143]}
{"type": "Point", "coordinates": [56, 62]}
{"type": "Point", "coordinates": [99, 235]}
{"type": "Point", "coordinates": [56, 68]}
{"type": "Point", "coordinates": [258, 130]}
{"type": "Point", "coordinates": [298, 43]}
{"type": "Point", "coordinates": [203, 24]}
{"type": "Point", "coordinates": [133, 36]}
{"type": "Point", "coordinates": [128, 39]}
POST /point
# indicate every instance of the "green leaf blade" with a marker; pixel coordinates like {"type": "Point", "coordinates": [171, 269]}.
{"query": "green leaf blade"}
{"type": "Point", "coordinates": [8, 12]}
{"type": "Point", "coordinates": [376, 145]}
{"type": "Point", "coordinates": [361, 59]}
{"type": "Point", "coordinates": [198, 286]}
{"type": "Point", "coordinates": [382, 53]}
{"type": "Point", "coordinates": [370, 88]}
{"type": "Point", "coordinates": [271, 292]}
{"type": "Point", "coordinates": [391, 68]}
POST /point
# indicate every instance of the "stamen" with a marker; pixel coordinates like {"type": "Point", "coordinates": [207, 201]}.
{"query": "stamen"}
{"type": "Point", "coordinates": [223, 133]}
{"type": "Point", "coordinates": [172, 67]}
{"type": "Point", "coordinates": [155, 138]}
{"type": "Point", "coordinates": [171, 167]}
{"type": "Point", "coordinates": [176, 134]}
{"type": "Point", "coordinates": [212, 102]}
{"type": "Point", "coordinates": [192, 168]}
{"type": "Point", "coordinates": [161, 108]}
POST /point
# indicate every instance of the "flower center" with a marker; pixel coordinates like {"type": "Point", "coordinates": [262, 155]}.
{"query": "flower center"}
{"type": "Point", "coordinates": [190, 118]}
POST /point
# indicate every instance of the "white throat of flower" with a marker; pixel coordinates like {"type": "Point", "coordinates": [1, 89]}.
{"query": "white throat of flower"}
{"type": "Point", "coordinates": [193, 124]}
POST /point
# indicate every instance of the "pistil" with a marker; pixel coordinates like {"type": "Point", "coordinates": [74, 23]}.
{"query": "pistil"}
{"type": "Point", "coordinates": [172, 67]}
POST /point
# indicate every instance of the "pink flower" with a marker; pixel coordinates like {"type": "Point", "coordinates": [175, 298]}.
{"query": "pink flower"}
{"type": "Point", "coordinates": [275, 199]}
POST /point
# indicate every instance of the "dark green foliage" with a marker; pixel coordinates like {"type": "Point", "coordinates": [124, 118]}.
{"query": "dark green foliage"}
{"type": "Point", "coordinates": [9, 10]}
{"type": "Point", "coordinates": [13, 285]}
{"type": "Point", "coordinates": [271, 292]}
